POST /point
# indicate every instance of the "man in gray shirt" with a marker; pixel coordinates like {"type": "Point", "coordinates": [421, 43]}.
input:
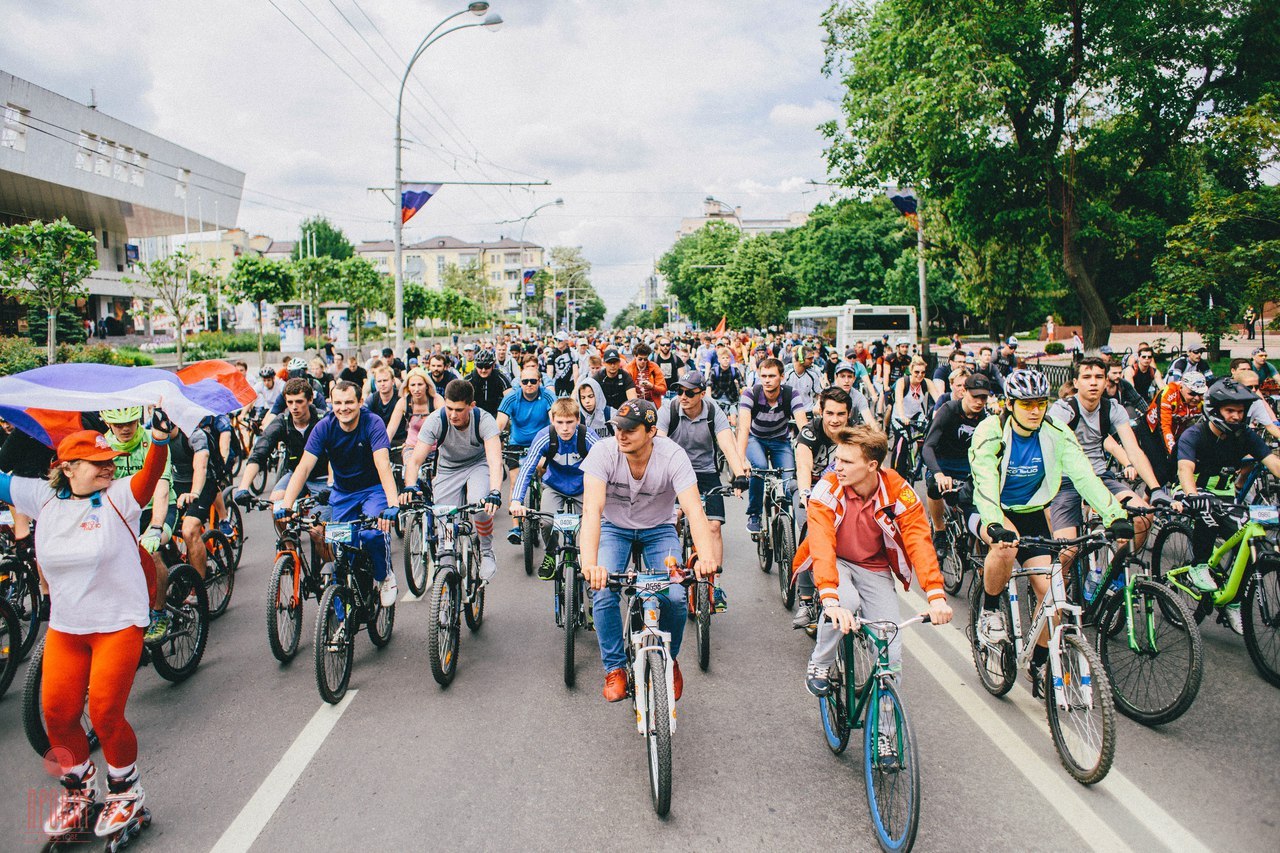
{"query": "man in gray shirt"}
{"type": "Point", "coordinates": [631, 484]}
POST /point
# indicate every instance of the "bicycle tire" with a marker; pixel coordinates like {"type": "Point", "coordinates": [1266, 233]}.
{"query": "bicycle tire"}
{"type": "Point", "coordinates": [473, 610]}
{"type": "Point", "coordinates": [764, 549]}
{"type": "Point", "coordinates": [658, 738]}
{"type": "Point", "coordinates": [528, 544]}
{"type": "Point", "coordinates": [863, 660]}
{"type": "Point", "coordinates": [23, 593]}
{"type": "Point", "coordinates": [952, 563]}
{"type": "Point", "coordinates": [1136, 675]}
{"type": "Point", "coordinates": [785, 551]}
{"type": "Point", "coordinates": [1261, 616]}
{"type": "Point", "coordinates": [445, 633]}
{"type": "Point", "coordinates": [1171, 550]}
{"type": "Point", "coordinates": [702, 623]}
{"type": "Point", "coordinates": [382, 623]}
{"type": "Point", "coordinates": [284, 614]}
{"type": "Point", "coordinates": [219, 580]}
{"type": "Point", "coordinates": [335, 644]}
{"type": "Point", "coordinates": [415, 555]}
{"type": "Point", "coordinates": [236, 540]}
{"type": "Point", "coordinates": [258, 484]}
{"type": "Point", "coordinates": [178, 655]}
{"type": "Point", "coordinates": [1080, 661]}
{"type": "Point", "coordinates": [569, 612]}
{"type": "Point", "coordinates": [893, 792]}
{"type": "Point", "coordinates": [33, 710]}
{"type": "Point", "coordinates": [996, 665]}
{"type": "Point", "coordinates": [833, 709]}
{"type": "Point", "coordinates": [10, 644]}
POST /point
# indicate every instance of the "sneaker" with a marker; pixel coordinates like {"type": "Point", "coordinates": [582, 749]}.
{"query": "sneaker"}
{"type": "Point", "coordinates": [75, 804]}
{"type": "Point", "coordinates": [225, 528]}
{"type": "Point", "coordinates": [488, 566]}
{"type": "Point", "coordinates": [753, 524]}
{"type": "Point", "coordinates": [387, 589]}
{"type": "Point", "coordinates": [1035, 672]}
{"type": "Point", "coordinates": [720, 599]}
{"type": "Point", "coordinates": [887, 751]}
{"type": "Point", "coordinates": [805, 615]}
{"type": "Point", "coordinates": [121, 806]}
{"type": "Point", "coordinates": [513, 535]}
{"type": "Point", "coordinates": [157, 628]}
{"type": "Point", "coordinates": [677, 679]}
{"type": "Point", "coordinates": [615, 685]}
{"type": "Point", "coordinates": [991, 628]}
{"type": "Point", "coordinates": [940, 541]}
{"type": "Point", "coordinates": [1232, 619]}
{"type": "Point", "coordinates": [817, 680]}
{"type": "Point", "coordinates": [547, 571]}
{"type": "Point", "coordinates": [1202, 578]}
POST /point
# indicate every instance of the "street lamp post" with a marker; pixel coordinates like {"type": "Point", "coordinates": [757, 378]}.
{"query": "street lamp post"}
{"type": "Point", "coordinates": [524, 223]}
{"type": "Point", "coordinates": [491, 21]}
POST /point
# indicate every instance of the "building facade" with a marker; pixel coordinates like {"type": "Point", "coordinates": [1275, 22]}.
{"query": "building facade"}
{"type": "Point", "coordinates": [718, 211]}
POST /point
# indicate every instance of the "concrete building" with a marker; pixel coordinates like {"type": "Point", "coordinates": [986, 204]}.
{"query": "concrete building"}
{"type": "Point", "coordinates": [718, 211]}
{"type": "Point", "coordinates": [59, 158]}
{"type": "Point", "coordinates": [220, 249]}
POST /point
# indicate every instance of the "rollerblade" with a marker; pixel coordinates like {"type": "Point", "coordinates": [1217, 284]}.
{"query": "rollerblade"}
{"type": "Point", "coordinates": [75, 812]}
{"type": "Point", "coordinates": [123, 817]}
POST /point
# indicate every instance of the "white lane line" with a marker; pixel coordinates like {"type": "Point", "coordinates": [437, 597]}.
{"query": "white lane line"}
{"type": "Point", "coordinates": [1053, 785]}
{"type": "Point", "coordinates": [410, 597]}
{"type": "Point", "coordinates": [244, 830]}
{"type": "Point", "coordinates": [1119, 787]}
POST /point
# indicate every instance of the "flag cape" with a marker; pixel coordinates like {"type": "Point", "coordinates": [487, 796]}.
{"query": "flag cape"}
{"type": "Point", "coordinates": [720, 329]}
{"type": "Point", "coordinates": [64, 390]}
{"type": "Point", "coordinates": [413, 197]}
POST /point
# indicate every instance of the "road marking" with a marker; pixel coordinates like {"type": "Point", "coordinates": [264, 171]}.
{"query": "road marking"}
{"type": "Point", "coordinates": [1119, 787]}
{"type": "Point", "coordinates": [409, 597]}
{"type": "Point", "coordinates": [244, 830]}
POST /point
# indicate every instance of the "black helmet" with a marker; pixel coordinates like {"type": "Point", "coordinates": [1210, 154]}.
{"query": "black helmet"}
{"type": "Point", "coordinates": [1226, 393]}
{"type": "Point", "coordinates": [485, 358]}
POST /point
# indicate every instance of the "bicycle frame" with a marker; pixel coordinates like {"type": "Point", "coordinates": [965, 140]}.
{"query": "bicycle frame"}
{"type": "Point", "coordinates": [1227, 593]}
{"type": "Point", "coordinates": [644, 591]}
{"type": "Point", "coordinates": [1058, 615]}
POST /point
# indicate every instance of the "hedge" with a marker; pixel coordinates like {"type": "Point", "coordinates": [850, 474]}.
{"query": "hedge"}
{"type": "Point", "coordinates": [19, 354]}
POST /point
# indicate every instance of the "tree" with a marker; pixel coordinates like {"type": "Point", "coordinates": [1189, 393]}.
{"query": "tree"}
{"type": "Point", "coordinates": [319, 238]}
{"type": "Point", "coordinates": [845, 250]}
{"type": "Point", "coordinates": [316, 279]}
{"type": "Point", "coordinates": [262, 282]}
{"type": "Point", "coordinates": [751, 287]}
{"type": "Point", "coordinates": [695, 265]}
{"type": "Point", "coordinates": [45, 264]}
{"type": "Point", "coordinates": [589, 314]}
{"type": "Point", "coordinates": [176, 285]}
{"type": "Point", "coordinates": [364, 290]}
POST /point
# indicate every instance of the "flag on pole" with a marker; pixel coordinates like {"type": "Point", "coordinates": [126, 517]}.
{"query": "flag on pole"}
{"type": "Point", "coordinates": [904, 198]}
{"type": "Point", "coordinates": [413, 197]}
{"type": "Point", "coordinates": [720, 329]}
{"type": "Point", "coordinates": [530, 289]}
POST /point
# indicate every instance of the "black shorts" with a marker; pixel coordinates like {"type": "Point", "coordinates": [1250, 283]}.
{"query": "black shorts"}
{"type": "Point", "coordinates": [515, 453]}
{"type": "Point", "coordinates": [714, 503]}
{"type": "Point", "coordinates": [199, 508]}
{"type": "Point", "coordinates": [1034, 523]}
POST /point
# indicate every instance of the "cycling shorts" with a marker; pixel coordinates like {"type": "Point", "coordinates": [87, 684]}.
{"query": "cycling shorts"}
{"type": "Point", "coordinates": [199, 508]}
{"type": "Point", "coordinates": [1033, 523]}
{"type": "Point", "coordinates": [1066, 508]}
{"type": "Point", "coordinates": [513, 459]}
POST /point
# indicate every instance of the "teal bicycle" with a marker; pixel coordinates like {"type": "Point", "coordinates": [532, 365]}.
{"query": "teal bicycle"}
{"type": "Point", "coordinates": [864, 696]}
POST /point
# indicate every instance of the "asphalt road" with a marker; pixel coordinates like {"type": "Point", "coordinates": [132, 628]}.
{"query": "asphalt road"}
{"type": "Point", "coordinates": [245, 754]}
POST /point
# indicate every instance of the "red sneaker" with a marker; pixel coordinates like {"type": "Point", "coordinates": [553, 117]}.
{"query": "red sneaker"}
{"type": "Point", "coordinates": [615, 685]}
{"type": "Point", "coordinates": [677, 679]}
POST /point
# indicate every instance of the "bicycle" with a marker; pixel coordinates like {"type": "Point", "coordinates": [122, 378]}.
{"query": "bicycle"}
{"type": "Point", "coordinates": [219, 580]}
{"type": "Point", "coordinates": [963, 552]}
{"type": "Point", "coordinates": [907, 457]}
{"type": "Point", "coordinates": [20, 589]}
{"type": "Point", "coordinates": [1076, 688]}
{"type": "Point", "coordinates": [294, 579]}
{"type": "Point", "coordinates": [530, 530]}
{"type": "Point", "coordinates": [10, 644]}
{"type": "Point", "coordinates": [1250, 576]}
{"type": "Point", "coordinates": [862, 685]}
{"type": "Point", "coordinates": [456, 589]}
{"type": "Point", "coordinates": [776, 541]}
{"type": "Point", "coordinates": [419, 540]}
{"type": "Point", "coordinates": [650, 676]}
{"type": "Point", "coordinates": [350, 600]}
{"type": "Point", "coordinates": [571, 601]}
{"type": "Point", "coordinates": [702, 602]}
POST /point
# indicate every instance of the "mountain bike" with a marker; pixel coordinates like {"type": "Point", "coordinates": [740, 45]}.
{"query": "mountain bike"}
{"type": "Point", "coordinates": [864, 695]}
{"type": "Point", "coordinates": [963, 552]}
{"type": "Point", "coordinates": [235, 522]}
{"type": "Point", "coordinates": [20, 589]}
{"type": "Point", "coordinates": [907, 457]}
{"type": "Point", "coordinates": [702, 598]}
{"type": "Point", "coordinates": [776, 541]}
{"type": "Point", "coordinates": [419, 540]}
{"type": "Point", "coordinates": [1246, 566]}
{"type": "Point", "coordinates": [294, 578]}
{"type": "Point", "coordinates": [219, 580]}
{"type": "Point", "coordinates": [349, 601]}
{"type": "Point", "coordinates": [10, 644]}
{"type": "Point", "coordinates": [456, 589]}
{"type": "Point", "coordinates": [570, 598]}
{"type": "Point", "coordinates": [1076, 690]}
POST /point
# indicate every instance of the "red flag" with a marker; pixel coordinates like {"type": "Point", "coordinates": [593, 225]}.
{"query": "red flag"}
{"type": "Point", "coordinates": [222, 372]}
{"type": "Point", "coordinates": [720, 329]}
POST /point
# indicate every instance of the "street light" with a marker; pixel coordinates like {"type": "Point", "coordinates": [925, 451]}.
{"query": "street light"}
{"type": "Point", "coordinates": [491, 22]}
{"type": "Point", "coordinates": [524, 299]}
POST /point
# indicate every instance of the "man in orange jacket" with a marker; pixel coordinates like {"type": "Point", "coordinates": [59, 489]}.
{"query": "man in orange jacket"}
{"type": "Point", "coordinates": [866, 526]}
{"type": "Point", "coordinates": [651, 385]}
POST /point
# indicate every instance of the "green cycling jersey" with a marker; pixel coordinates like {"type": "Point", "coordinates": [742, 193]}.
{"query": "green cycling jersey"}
{"type": "Point", "coordinates": [135, 453]}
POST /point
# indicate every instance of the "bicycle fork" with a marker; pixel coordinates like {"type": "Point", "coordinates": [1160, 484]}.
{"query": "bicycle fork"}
{"type": "Point", "coordinates": [652, 639]}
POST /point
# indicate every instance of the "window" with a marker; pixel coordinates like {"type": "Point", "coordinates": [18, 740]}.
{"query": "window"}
{"type": "Point", "coordinates": [120, 169]}
{"type": "Point", "coordinates": [84, 154]}
{"type": "Point", "coordinates": [180, 188]}
{"type": "Point", "coordinates": [440, 267]}
{"type": "Point", "coordinates": [511, 258]}
{"type": "Point", "coordinates": [138, 172]}
{"type": "Point", "coordinates": [14, 132]}
{"type": "Point", "coordinates": [102, 159]}
{"type": "Point", "coordinates": [495, 276]}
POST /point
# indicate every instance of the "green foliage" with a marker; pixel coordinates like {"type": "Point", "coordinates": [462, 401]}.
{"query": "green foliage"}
{"type": "Point", "coordinates": [365, 291]}
{"type": "Point", "coordinates": [70, 330]}
{"type": "Point", "coordinates": [44, 264]}
{"type": "Point", "coordinates": [262, 282]}
{"type": "Point", "coordinates": [232, 341]}
{"type": "Point", "coordinates": [177, 286]}
{"type": "Point", "coordinates": [1054, 348]}
{"type": "Point", "coordinates": [320, 235]}
{"type": "Point", "coordinates": [19, 354]}
{"type": "Point", "coordinates": [633, 315]}
{"type": "Point", "coordinates": [591, 314]}
{"type": "Point", "coordinates": [695, 265]}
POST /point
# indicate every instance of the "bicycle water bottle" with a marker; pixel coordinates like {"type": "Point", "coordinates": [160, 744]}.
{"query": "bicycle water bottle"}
{"type": "Point", "coordinates": [1093, 576]}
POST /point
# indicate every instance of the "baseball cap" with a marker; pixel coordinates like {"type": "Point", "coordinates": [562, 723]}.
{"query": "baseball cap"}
{"type": "Point", "coordinates": [1258, 351]}
{"type": "Point", "coordinates": [413, 362]}
{"type": "Point", "coordinates": [693, 380]}
{"type": "Point", "coordinates": [845, 367]}
{"type": "Point", "coordinates": [562, 336]}
{"type": "Point", "coordinates": [1198, 348]}
{"type": "Point", "coordinates": [1106, 349]}
{"type": "Point", "coordinates": [977, 383]}
{"type": "Point", "coordinates": [634, 413]}
{"type": "Point", "coordinates": [611, 354]}
{"type": "Point", "coordinates": [469, 348]}
{"type": "Point", "coordinates": [1013, 342]}
{"type": "Point", "coordinates": [86, 444]}
{"type": "Point", "coordinates": [850, 354]}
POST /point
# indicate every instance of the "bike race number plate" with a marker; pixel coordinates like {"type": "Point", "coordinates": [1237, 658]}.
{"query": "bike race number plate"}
{"type": "Point", "coordinates": [1267, 516]}
{"type": "Point", "coordinates": [567, 521]}
{"type": "Point", "coordinates": [340, 533]}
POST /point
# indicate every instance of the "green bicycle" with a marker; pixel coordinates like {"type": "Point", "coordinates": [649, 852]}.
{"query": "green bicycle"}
{"type": "Point", "coordinates": [864, 695]}
{"type": "Point", "coordinates": [1250, 577]}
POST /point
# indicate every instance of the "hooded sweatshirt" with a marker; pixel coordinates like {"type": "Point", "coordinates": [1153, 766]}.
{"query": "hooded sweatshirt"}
{"type": "Point", "coordinates": [597, 421]}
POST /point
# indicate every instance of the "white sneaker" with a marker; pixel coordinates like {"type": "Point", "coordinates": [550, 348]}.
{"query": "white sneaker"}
{"type": "Point", "coordinates": [387, 589]}
{"type": "Point", "coordinates": [991, 628]}
{"type": "Point", "coordinates": [488, 566]}
{"type": "Point", "coordinates": [1231, 615]}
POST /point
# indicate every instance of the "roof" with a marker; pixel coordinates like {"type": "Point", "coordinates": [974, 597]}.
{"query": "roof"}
{"type": "Point", "coordinates": [445, 242]}
{"type": "Point", "coordinates": [280, 247]}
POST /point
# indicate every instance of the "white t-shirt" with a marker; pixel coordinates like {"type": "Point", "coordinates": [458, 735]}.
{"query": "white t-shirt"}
{"type": "Point", "coordinates": [88, 556]}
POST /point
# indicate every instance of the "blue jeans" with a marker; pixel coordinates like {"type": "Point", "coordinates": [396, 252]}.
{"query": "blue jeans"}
{"type": "Point", "coordinates": [367, 503]}
{"type": "Point", "coordinates": [658, 543]}
{"type": "Point", "coordinates": [778, 452]}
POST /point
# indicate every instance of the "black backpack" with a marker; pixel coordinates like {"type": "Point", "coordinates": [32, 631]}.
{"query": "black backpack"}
{"type": "Point", "coordinates": [553, 444]}
{"type": "Point", "coordinates": [475, 424]}
{"type": "Point", "coordinates": [1104, 415]}
{"type": "Point", "coordinates": [785, 393]}
{"type": "Point", "coordinates": [674, 416]}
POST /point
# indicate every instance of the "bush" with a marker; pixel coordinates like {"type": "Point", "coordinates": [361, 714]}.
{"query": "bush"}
{"type": "Point", "coordinates": [19, 354]}
{"type": "Point", "coordinates": [1054, 348]}
{"type": "Point", "coordinates": [226, 342]}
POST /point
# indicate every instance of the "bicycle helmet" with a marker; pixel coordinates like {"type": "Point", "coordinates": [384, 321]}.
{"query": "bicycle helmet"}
{"type": "Point", "coordinates": [1194, 381]}
{"type": "Point", "coordinates": [127, 415]}
{"type": "Point", "coordinates": [297, 364]}
{"type": "Point", "coordinates": [1228, 392]}
{"type": "Point", "coordinates": [1023, 384]}
{"type": "Point", "coordinates": [485, 358]}
{"type": "Point", "coordinates": [265, 372]}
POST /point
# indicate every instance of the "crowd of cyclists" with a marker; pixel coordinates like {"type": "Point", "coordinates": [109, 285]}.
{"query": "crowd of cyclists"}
{"type": "Point", "coordinates": [637, 432]}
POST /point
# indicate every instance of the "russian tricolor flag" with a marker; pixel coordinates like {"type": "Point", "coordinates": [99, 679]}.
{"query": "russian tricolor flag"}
{"type": "Point", "coordinates": [413, 197]}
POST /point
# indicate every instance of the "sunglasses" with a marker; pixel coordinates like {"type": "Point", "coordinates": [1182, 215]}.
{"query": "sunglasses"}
{"type": "Point", "coordinates": [1032, 405]}
{"type": "Point", "coordinates": [529, 381]}
{"type": "Point", "coordinates": [1251, 387]}
{"type": "Point", "coordinates": [688, 392]}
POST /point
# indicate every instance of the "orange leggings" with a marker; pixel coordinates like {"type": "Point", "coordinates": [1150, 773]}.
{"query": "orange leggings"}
{"type": "Point", "coordinates": [102, 665]}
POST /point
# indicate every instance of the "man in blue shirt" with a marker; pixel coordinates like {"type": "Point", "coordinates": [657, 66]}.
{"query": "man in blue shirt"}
{"type": "Point", "coordinates": [356, 445]}
{"type": "Point", "coordinates": [526, 410]}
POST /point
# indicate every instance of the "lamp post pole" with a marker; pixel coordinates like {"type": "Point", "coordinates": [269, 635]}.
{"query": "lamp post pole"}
{"type": "Point", "coordinates": [524, 223]}
{"type": "Point", "coordinates": [491, 21]}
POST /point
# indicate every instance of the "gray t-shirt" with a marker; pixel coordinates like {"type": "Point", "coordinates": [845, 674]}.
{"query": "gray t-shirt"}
{"type": "Point", "coordinates": [460, 448]}
{"type": "Point", "coordinates": [650, 501]}
{"type": "Point", "coordinates": [693, 435]}
{"type": "Point", "coordinates": [1089, 428]}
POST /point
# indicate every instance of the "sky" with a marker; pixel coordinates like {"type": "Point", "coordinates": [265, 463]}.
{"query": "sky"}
{"type": "Point", "coordinates": [633, 110]}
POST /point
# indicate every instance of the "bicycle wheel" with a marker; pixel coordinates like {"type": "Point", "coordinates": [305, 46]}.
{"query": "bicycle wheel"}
{"type": "Point", "coordinates": [258, 484]}
{"type": "Point", "coordinates": [219, 580]}
{"type": "Point", "coordinates": [33, 710]}
{"type": "Point", "coordinates": [236, 539]}
{"type": "Point", "coordinates": [284, 611]}
{"type": "Point", "coordinates": [442, 641]}
{"type": "Point", "coordinates": [833, 709]}
{"type": "Point", "coordinates": [862, 663]}
{"type": "Point", "coordinates": [1084, 732]}
{"type": "Point", "coordinates": [951, 561]}
{"type": "Point", "coordinates": [702, 623]}
{"type": "Point", "coordinates": [528, 529]}
{"type": "Point", "coordinates": [1156, 677]}
{"type": "Point", "coordinates": [1172, 550]}
{"type": "Point", "coordinates": [473, 589]}
{"type": "Point", "coordinates": [893, 779]}
{"type": "Point", "coordinates": [10, 644]}
{"type": "Point", "coordinates": [382, 623]}
{"type": "Point", "coordinates": [996, 666]}
{"type": "Point", "coordinates": [1261, 614]}
{"type": "Point", "coordinates": [658, 737]}
{"type": "Point", "coordinates": [177, 656]}
{"type": "Point", "coordinates": [417, 555]}
{"type": "Point", "coordinates": [335, 644]}
{"type": "Point", "coordinates": [785, 551]}
{"type": "Point", "coordinates": [569, 611]}
{"type": "Point", "coordinates": [764, 549]}
{"type": "Point", "coordinates": [22, 589]}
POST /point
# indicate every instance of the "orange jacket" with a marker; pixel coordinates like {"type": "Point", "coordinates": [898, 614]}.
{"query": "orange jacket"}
{"type": "Point", "coordinates": [655, 378]}
{"type": "Point", "coordinates": [902, 522]}
{"type": "Point", "coordinates": [1168, 415]}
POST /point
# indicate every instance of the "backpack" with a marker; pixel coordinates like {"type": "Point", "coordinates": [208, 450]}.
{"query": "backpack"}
{"type": "Point", "coordinates": [475, 425]}
{"type": "Point", "coordinates": [553, 444]}
{"type": "Point", "coordinates": [758, 403]}
{"type": "Point", "coordinates": [674, 423]}
{"type": "Point", "coordinates": [1104, 415]}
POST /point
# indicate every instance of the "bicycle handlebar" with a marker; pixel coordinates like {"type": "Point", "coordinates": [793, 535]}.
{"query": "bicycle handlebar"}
{"type": "Point", "coordinates": [622, 580]}
{"type": "Point", "coordinates": [772, 472]}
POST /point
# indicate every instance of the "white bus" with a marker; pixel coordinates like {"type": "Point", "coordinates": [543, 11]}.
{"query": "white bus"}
{"type": "Point", "coordinates": [854, 321]}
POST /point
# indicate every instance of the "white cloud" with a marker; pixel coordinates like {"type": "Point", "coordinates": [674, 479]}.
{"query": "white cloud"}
{"type": "Point", "coordinates": [797, 115]}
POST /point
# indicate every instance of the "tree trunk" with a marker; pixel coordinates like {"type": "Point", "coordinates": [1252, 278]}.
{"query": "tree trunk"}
{"type": "Point", "coordinates": [51, 336]}
{"type": "Point", "coordinates": [360, 322]}
{"type": "Point", "coordinates": [178, 344]}
{"type": "Point", "coordinates": [1095, 320]}
{"type": "Point", "coordinates": [262, 358]}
